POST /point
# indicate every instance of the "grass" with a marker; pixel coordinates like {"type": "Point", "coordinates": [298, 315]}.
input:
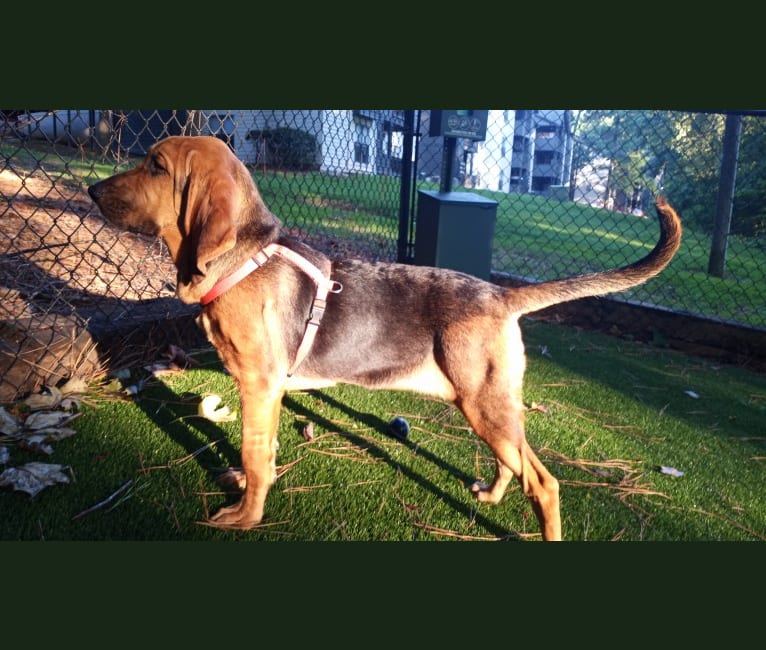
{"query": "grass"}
{"type": "Point", "coordinates": [604, 415]}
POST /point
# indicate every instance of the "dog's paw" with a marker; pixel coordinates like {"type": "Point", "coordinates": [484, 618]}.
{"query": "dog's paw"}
{"type": "Point", "coordinates": [234, 517]}
{"type": "Point", "coordinates": [232, 480]}
{"type": "Point", "coordinates": [483, 493]}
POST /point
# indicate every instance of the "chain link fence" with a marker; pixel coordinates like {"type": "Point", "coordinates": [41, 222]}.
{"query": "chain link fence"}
{"type": "Point", "coordinates": [574, 193]}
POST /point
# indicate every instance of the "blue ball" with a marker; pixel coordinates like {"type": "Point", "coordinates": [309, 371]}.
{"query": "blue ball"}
{"type": "Point", "coordinates": [399, 428]}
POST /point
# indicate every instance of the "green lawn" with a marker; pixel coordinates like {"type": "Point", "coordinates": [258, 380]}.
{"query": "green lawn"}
{"type": "Point", "coordinates": [604, 415]}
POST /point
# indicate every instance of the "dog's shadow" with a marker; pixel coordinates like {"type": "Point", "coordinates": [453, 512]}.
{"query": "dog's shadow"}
{"type": "Point", "coordinates": [209, 446]}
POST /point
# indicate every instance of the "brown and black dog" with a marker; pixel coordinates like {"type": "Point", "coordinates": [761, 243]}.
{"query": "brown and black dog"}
{"type": "Point", "coordinates": [458, 338]}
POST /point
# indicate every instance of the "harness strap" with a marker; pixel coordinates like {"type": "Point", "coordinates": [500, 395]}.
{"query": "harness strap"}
{"type": "Point", "coordinates": [324, 286]}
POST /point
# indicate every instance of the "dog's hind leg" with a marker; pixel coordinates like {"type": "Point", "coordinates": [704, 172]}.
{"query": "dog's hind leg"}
{"type": "Point", "coordinates": [501, 426]}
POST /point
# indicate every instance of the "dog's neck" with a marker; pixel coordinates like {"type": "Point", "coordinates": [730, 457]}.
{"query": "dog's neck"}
{"type": "Point", "coordinates": [190, 287]}
{"type": "Point", "coordinates": [259, 230]}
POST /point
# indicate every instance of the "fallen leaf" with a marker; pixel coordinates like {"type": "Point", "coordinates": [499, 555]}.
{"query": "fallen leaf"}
{"type": "Point", "coordinates": [534, 406]}
{"type": "Point", "coordinates": [9, 425]}
{"type": "Point", "coordinates": [163, 369]}
{"type": "Point", "coordinates": [179, 358]}
{"type": "Point", "coordinates": [692, 394]}
{"type": "Point", "coordinates": [36, 444]}
{"type": "Point", "coordinates": [308, 431]}
{"type": "Point", "coordinates": [55, 434]}
{"type": "Point", "coordinates": [47, 419]}
{"type": "Point", "coordinates": [133, 389]}
{"type": "Point", "coordinates": [75, 386]}
{"type": "Point", "coordinates": [48, 398]}
{"type": "Point", "coordinates": [208, 409]}
{"type": "Point", "coordinates": [33, 477]}
{"type": "Point", "coordinates": [671, 471]}
{"type": "Point", "coordinates": [122, 373]}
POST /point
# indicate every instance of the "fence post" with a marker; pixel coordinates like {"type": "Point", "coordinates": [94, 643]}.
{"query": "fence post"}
{"type": "Point", "coordinates": [726, 186]}
{"type": "Point", "coordinates": [405, 188]}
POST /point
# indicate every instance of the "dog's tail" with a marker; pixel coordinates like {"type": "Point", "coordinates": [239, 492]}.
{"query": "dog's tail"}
{"type": "Point", "coordinates": [532, 297]}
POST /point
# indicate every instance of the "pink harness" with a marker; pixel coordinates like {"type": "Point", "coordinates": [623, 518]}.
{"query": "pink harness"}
{"type": "Point", "coordinates": [323, 284]}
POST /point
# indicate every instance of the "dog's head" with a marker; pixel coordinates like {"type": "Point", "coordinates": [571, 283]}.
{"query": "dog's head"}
{"type": "Point", "coordinates": [195, 194]}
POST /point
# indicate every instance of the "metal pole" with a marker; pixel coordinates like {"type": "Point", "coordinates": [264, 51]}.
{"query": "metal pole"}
{"type": "Point", "coordinates": [402, 254]}
{"type": "Point", "coordinates": [448, 164]}
{"type": "Point", "coordinates": [726, 186]}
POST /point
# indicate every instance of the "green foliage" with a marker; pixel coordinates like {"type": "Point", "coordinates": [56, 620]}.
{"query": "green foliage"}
{"type": "Point", "coordinates": [749, 210]}
{"type": "Point", "coordinates": [679, 154]}
{"type": "Point", "coordinates": [286, 148]}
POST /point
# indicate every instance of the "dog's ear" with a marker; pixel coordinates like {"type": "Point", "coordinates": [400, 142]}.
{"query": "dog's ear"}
{"type": "Point", "coordinates": [215, 228]}
{"type": "Point", "coordinates": [209, 218]}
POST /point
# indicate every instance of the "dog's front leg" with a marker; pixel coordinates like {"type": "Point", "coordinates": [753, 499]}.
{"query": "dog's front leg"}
{"type": "Point", "coordinates": [260, 420]}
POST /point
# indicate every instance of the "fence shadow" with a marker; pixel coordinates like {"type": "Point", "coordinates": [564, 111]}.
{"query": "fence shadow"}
{"type": "Point", "coordinates": [48, 335]}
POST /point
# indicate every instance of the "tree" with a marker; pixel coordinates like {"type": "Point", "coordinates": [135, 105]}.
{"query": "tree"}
{"type": "Point", "coordinates": [649, 152]}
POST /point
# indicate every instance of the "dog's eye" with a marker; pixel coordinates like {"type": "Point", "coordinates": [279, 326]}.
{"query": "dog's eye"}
{"type": "Point", "coordinates": [155, 166]}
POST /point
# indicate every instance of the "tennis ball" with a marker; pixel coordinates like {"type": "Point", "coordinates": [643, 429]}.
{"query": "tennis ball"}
{"type": "Point", "coordinates": [399, 428]}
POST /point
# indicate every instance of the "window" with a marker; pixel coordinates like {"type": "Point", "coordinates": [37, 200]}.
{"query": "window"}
{"type": "Point", "coordinates": [544, 157]}
{"type": "Point", "coordinates": [546, 131]}
{"type": "Point", "coordinates": [362, 140]}
{"type": "Point", "coordinates": [397, 144]}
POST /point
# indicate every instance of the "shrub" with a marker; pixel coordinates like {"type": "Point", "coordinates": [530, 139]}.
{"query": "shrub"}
{"type": "Point", "coordinates": [286, 148]}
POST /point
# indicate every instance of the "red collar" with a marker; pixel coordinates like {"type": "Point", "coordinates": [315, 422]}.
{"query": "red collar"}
{"type": "Point", "coordinates": [323, 283]}
{"type": "Point", "coordinates": [223, 285]}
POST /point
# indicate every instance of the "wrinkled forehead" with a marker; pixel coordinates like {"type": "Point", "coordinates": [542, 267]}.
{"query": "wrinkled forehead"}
{"type": "Point", "coordinates": [178, 147]}
{"type": "Point", "coordinates": [171, 146]}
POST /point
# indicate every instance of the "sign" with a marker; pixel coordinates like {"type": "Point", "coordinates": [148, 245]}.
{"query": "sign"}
{"type": "Point", "coordinates": [459, 124]}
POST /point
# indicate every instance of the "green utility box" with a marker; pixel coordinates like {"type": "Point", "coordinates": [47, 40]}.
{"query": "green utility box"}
{"type": "Point", "coordinates": [454, 230]}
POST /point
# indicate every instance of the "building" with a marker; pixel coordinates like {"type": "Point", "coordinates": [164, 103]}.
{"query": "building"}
{"type": "Point", "coordinates": [525, 151]}
{"type": "Point", "coordinates": [348, 141]}
{"type": "Point", "coordinates": [540, 153]}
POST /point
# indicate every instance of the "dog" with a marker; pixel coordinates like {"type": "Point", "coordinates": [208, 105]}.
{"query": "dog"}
{"type": "Point", "coordinates": [283, 316]}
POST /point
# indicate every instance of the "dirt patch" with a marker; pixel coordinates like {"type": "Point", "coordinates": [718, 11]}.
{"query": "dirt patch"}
{"type": "Point", "coordinates": [65, 277]}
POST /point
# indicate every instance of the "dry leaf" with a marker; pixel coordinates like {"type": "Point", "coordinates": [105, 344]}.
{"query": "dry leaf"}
{"type": "Point", "coordinates": [75, 386]}
{"type": "Point", "coordinates": [121, 374]}
{"type": "Point", "coordinates": [671, 471]}
{"type": "Point", "coordinates": [208, 409]}
{"type": "Point", "coordinates": [48, 398]}
{"type": "Point", "coordinates": [9, 425]}
{"type": "Point", "coordinates": [134, 389]}
{"type": "Point", "coordinates": [308, 431]}
{"type": "Point", "coordinates": [33, 477]}
{"type": "Point", "coordinates": [36, 444]}
{"type": "Point", "coordinates": [47, 419]}
{"type": "Point", "coordinates": [179, 358]}
{"type": "Point", "coordinates": [163, 369]}
{"type": "Point", "coordinates": [55, 434]}
{"type": "Point", "coordinates": [534, 406]}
